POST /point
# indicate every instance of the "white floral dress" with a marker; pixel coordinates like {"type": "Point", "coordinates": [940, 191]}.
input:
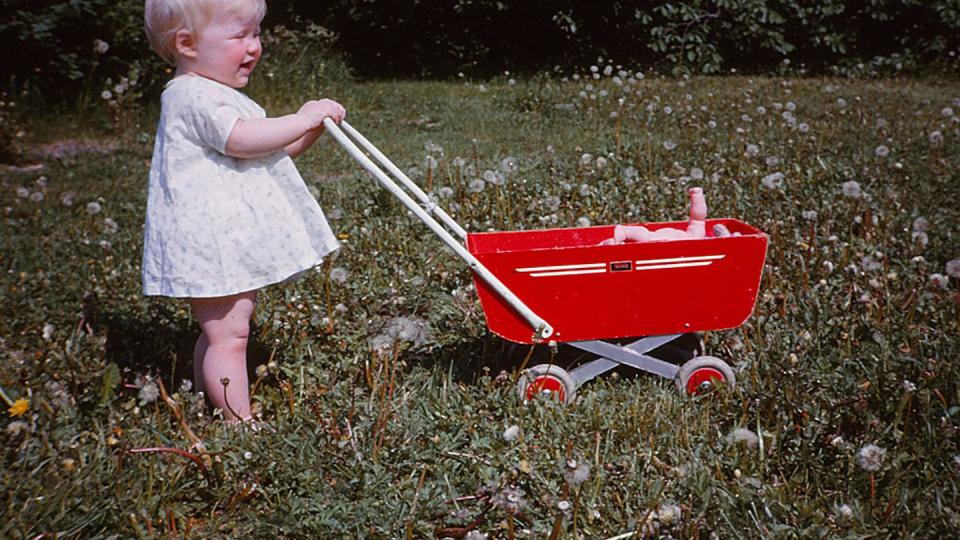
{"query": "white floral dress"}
{"type": "Point", "coordinates": [218, 225]}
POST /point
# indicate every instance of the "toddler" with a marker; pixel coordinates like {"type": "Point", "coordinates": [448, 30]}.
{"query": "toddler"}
{"type": "Point", "coordinates": [227, 211]}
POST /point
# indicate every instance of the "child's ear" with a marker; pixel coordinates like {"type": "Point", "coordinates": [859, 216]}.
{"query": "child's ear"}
{"type": "Point", "coordinates": [185, 43]}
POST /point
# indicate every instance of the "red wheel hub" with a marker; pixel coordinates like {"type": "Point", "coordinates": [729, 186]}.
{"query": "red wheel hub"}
{"type": "Point", "coordinates": [546, 384]}
{"type": "Point", "coordinates": [708, 375]}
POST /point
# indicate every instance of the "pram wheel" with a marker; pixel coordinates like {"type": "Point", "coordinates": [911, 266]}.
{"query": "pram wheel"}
{"type": "Point", "coordinates": [546, 380]}
{"type": "Point", "coordinates": [702, 374]}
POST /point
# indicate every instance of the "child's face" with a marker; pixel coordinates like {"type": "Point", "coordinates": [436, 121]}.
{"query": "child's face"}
{"type": "Point", "coordinates": [227, 50]}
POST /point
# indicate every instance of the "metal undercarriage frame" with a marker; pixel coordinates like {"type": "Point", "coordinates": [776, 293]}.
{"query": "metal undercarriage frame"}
{"type": "Point", "coordinates": [633, 354]}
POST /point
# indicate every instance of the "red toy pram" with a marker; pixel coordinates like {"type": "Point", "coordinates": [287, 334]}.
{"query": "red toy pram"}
{"type": "Point", "coordinates": [590, 292]}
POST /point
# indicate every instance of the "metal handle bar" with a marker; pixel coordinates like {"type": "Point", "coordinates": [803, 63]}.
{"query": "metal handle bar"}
{"type": "Point", "coordinates": [541, 328]}
{"type": "Point", "coordinates": [430, 205]}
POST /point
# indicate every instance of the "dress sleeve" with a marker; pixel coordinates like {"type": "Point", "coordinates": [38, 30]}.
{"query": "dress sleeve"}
{"type": "Point", "coordinates": [213, 114]}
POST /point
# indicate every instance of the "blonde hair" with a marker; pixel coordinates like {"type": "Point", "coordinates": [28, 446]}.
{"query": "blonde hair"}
{"type": "Point", "coordinates": [164, 18]}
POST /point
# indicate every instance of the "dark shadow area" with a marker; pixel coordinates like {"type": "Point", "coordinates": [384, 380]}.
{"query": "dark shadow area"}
{"type": "Point", "coordinates": [159, 342]}
{"type": "Point", "coordinates": [489, 355]}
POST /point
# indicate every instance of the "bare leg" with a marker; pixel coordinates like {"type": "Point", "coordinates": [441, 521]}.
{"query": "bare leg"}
{"type": "Point", "coordinates": [225, 322]}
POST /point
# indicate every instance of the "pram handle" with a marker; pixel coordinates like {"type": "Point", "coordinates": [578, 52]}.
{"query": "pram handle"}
{"type": "Point", "coordinates": [541, 328]}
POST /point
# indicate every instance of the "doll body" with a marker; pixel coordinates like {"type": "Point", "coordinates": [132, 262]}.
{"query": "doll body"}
{"type": "Point", "coordinates": [696, 226]}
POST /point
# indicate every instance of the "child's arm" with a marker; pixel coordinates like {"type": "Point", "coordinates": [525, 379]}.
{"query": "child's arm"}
{"type": "Point", "coordinates": [301, 145]}
{"type": "Point", "coordinates": [256, 137]}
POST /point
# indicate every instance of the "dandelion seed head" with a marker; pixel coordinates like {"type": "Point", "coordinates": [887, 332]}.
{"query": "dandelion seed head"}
{"type": "Point", "coordinates": [773, 181]}
{"type": "Point", "coordinates": [809, 215]}
{"type": "Point", "coordinates": [583, 222]}
{"type": "Point", "coordinates": [586, 159]}
{"type": "Point", "coordinates": [494, 177]}
{"type": "Point", "coordinates": [381, 343]}
{"type": "Point", "coordinates": [551, 203]}
{"type": "Point", "coordinates": [870, 457]}
{"type": "Point", "coordinates": [509, 164]}
{"type": "Point", "coordinates": [149, 392]}
{"type": "Point", "coordinates": [47, 332]}
{"type": "Point", "coordinates": [851, 189]}
{"type": "Point", "coordinates": [946, 112]}
{"type": "Point", "coordinates": [669, 514]}
{"type": "Point", "coordinates": [881, 151]}
{"type": "Point", "coordinates": [476, 185]}
{"type": "Point", "coordinates": [576, 473]}
{"type": "Point", "coordinates": [339, 275]}
{"type": "Point", "coordinates": [752, 150]}
{"type": "Point", "coordinates": [509, 499]}
{"type": "Point", "coordinates": [510, 434]}
{"type": "Point", "coordinates": [445, 192]}
{"type": "Point", "coordinates": [953, 268]}
{"type": "Point", "coordinates": [844, 512]}
{"type": "Point", "coordinates": [15, 428]}
{"type": "Point", "coordinates": [935, 138]}
{"type": "Point", "coordinates": [669, 145]}
{"type": "Point", "coordinates": [94, 208]}
{"type": "Point", "coordinates": [743, 436]}
{"type": "Point", "coordinates": [920, 238]}
{"type": "Point", "coordinates": [869, 264]}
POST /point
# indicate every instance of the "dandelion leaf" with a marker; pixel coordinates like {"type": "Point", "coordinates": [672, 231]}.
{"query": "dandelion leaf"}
{"type": "Point", "coordinates": [111, 378]}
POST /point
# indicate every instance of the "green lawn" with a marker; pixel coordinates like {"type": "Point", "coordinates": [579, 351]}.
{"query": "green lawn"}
{"type": "Point", "coordinates": [388, 399]}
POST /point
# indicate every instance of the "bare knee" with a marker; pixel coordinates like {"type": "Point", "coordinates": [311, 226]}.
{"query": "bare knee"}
{"type": "Point", "coordinates": [225, 321]}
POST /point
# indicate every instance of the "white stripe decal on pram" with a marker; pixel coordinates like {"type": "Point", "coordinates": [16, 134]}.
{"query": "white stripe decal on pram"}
{"type": "Point", "coordinates": [564, 270]}
{"type": "Point", "coordinates": [677, 262]}
{"type": "Point", "coordinates": [601, 268]}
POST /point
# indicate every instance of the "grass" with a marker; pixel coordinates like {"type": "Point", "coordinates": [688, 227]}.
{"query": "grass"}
{"type": "Point", "coordinates": [387, 397]}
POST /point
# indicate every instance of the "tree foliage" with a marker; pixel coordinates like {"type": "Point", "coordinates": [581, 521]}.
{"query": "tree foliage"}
{"type": "Point", "coordinates": [55, 54]}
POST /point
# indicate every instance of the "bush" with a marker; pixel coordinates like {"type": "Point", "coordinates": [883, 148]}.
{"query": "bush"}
{"type": "Point", "coordinates": [70, 52]}
{"type": "Point", "coordinates": [399, 38]}
{"type": "Point", "coordinates": [69, 49]}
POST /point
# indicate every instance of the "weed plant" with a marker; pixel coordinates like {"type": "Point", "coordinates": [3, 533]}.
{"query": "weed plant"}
{"type": "Point", "coordinates": [390, 410]}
